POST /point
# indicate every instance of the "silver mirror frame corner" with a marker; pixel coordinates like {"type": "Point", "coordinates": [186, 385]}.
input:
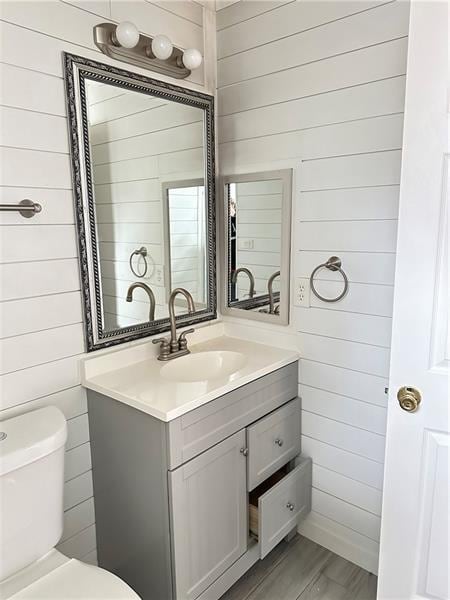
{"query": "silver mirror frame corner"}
{"type": "Point", "coordinates": [76, 70]}
{"type": "Point", "coordinates": [286, 175]}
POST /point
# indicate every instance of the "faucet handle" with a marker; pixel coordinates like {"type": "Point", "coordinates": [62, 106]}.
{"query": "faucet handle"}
{"type": "Point", "coordinates": [182, 341]}
{"type": "Point", "coordinates": [165, 347]}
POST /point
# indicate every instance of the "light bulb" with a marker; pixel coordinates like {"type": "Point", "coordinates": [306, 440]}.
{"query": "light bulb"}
{"type": "Point", "coordinates": [127, 34]}
{"type": "Point", "coordinates": [162, 47]}
{"type": "Point", "coordinates": [192, 58]}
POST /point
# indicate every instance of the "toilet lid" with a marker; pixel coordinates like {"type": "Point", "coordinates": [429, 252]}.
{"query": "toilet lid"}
{"type": "Point", "coordinates": [76, 580]}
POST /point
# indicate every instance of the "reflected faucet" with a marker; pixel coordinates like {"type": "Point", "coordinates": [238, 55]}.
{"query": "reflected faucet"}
{"type": "Point", "coordinates": [175, 347]}
{"type": "Point", "coordinates": [234, 274]}
{"type": "Point", "coordinates": [150, 294]}
{"type": "Point", "coordinates": [272, 309]}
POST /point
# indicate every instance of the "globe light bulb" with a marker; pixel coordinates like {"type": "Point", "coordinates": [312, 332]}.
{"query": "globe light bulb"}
{"type": "Point", "coordinates": [127, 34]}
{"type": "Point", "coordinates": [192, 58]}
{"type": "Point", "coordinates": [162, 47]}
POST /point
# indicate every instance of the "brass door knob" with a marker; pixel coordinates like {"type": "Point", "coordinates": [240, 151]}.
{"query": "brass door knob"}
{"type": "Point", "coordinates": [409, 398]}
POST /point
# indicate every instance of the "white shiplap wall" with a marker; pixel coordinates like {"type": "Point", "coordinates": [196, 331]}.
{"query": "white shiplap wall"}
{"type": "Point", "coordinates": [41, 318]}
{"type": "Point", "coordinates": [319, 87]}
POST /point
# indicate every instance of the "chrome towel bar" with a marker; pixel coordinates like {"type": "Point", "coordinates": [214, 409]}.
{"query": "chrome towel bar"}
{"type": "Point", "coordinates": [27, 208]}
{"type": "Point", "coordinates": [334, 263]}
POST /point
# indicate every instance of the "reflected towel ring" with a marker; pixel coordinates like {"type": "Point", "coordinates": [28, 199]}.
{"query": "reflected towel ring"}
{"type": "Point", "coordinates": [142, 251]}
{"type": "Point", "coordinates": [334, 263]}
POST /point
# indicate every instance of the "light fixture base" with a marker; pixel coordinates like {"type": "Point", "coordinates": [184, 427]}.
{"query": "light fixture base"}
{"type": "Point", "coordinates": [105, 40]}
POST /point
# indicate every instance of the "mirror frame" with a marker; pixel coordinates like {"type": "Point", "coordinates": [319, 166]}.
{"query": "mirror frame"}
{"type": "Point", "coordinates": [238, 309]}
{"type": "Point", "coordinates": [77, 70]}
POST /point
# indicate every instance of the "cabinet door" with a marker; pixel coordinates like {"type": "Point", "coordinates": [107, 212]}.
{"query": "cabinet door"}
{"type": "Point", "coordinates": [209, 515]}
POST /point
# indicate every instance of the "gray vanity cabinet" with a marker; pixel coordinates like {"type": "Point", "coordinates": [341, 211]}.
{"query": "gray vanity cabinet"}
{"type": "Point", "coordinates": [208, 515]}
{"type": "Point", "coordinates": [183, 509]}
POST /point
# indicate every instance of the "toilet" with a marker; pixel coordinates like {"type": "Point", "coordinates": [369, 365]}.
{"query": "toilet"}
{"type": "Point", "coordinates": [32, 482]}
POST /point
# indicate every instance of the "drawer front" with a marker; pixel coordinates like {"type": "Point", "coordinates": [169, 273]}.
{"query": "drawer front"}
{"type": "Point", "coordinates": [283, 506]}
{"type": "Point", "coordinates": [272, 442]}
{"type": "Point", "coordinates": [203, 427]}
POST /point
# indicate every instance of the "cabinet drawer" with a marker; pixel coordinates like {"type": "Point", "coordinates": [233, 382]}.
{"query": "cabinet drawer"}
{"type": "Point", "coordinates": [282, 507]}
{"type": "Point", "coordinates": [272, 442]}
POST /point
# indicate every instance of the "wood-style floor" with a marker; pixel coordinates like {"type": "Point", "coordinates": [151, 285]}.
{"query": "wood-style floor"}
{"type": "Point", "coordinates": [303, 570]}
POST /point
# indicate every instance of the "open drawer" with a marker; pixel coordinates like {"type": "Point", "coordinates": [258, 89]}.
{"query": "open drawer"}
{"type": "Point", "coordinates": [281, 507]}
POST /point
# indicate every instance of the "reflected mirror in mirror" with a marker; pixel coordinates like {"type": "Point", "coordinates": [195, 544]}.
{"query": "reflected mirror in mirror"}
{"type": "Point", "coordinates": [145, 200]}
{"type": "Point", "coordinates": [257, 208]}
{"type": "Point", "coordinates": [185, 226]}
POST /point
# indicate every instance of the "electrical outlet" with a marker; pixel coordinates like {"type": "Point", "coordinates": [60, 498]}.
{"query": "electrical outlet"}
{"type": "Point", "coordinates": [159, 274]}
{"type": "Point", "coordinates": [302, 292]}
{"type": "Point", "coordinates": [246, 244]}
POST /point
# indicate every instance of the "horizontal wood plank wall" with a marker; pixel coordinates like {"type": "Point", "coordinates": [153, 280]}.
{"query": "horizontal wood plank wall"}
{"type": "Point", "coordinates": [41, 312]}
{"type": "Point", "coordinates": [319, 87]}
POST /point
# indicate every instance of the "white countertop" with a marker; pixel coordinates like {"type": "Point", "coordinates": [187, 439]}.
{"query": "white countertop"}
{"type": "Point", "coordinates": [133, 376]}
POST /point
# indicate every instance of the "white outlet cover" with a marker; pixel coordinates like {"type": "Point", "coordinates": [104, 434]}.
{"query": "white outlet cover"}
{"type": "Point", "coordinates": [302, 292]}
{"type": "Point", "coordinates": [246, 244]}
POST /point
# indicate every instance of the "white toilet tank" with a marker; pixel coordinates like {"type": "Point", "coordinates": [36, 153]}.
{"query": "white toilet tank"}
{"type": "Point", "coordinates": [31, 487]}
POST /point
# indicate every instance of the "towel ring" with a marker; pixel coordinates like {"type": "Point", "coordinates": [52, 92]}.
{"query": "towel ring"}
{"type": "Point", "coordinates": [142, 251]}
{"type": "Point", "coordinates": [334, 263]}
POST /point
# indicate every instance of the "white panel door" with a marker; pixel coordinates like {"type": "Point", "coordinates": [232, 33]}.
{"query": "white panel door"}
{"type": "Point", "coordinates": [414, 556]}
{"type": "Point", "coordinates": [208, 515]}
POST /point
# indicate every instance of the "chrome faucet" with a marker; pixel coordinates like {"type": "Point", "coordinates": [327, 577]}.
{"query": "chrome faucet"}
{"type": "Point", "coordinates": [175, 347]}
{"type": "Point", "coordinates": [272, 309]}
{"type": "Point", "coordinates": [234, 274]}
{"type": "Point", "coordinates": [150, 294]}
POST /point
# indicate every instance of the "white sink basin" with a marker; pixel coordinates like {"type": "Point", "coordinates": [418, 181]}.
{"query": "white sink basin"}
{"type": "Point", "coordinates": [203, 366]}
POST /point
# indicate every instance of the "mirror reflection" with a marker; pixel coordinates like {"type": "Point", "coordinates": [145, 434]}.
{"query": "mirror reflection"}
{"type": "Point", "coordinates": [257, 208]}
{"type": "Point", "coordinates": [254, 209]}
{"type": "Point", "coordinates": [147, 159]}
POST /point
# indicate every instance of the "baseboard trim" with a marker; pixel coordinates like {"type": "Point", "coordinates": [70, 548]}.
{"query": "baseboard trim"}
{"type": "Point", "coordinates": [341, 540]}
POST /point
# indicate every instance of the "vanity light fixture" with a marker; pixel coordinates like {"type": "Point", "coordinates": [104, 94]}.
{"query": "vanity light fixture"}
{"type": "Point", "coordinates": [123, 42]}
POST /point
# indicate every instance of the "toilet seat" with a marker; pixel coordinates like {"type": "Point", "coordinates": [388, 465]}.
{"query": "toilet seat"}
{"type": "Point", "coordinates": [71, 579]}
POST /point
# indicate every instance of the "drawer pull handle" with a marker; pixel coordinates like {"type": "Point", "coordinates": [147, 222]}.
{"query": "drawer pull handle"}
{"type": "Point", "coordinates": [244, 451]}
{"type": "Point", "coordinates": [290, 506]}
{"type": "Point", "coordinates": [279, 442]}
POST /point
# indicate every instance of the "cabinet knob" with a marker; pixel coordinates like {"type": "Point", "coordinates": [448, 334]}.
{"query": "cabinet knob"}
{"type": "Point", "coordinates": [244, 451]}
{"type": "Point", "coordinates": [279, 442]}
{"type": "Point", "coordinates": [290, 506]}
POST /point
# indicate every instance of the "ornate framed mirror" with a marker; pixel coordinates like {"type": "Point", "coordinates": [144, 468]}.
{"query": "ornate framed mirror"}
{"type": "Point", "coordinates": [133, 140]}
